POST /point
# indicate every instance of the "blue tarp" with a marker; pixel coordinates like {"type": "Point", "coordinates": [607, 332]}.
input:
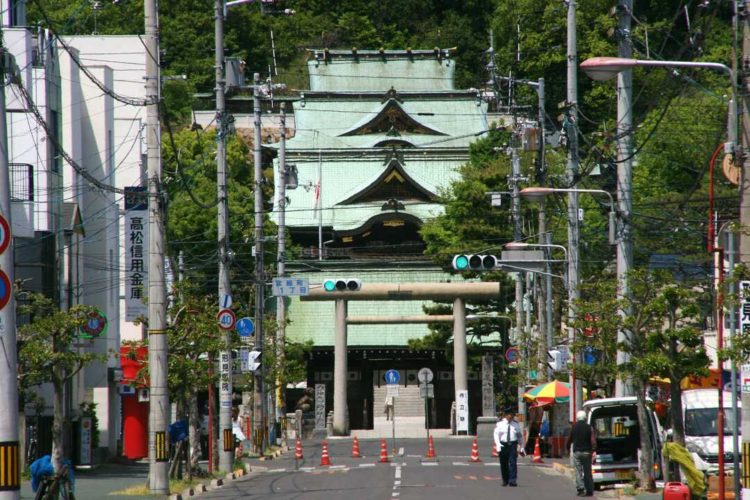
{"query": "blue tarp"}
{"type": "Point", "coordinates": [178, 431]}
{"type": "Point", "coordinates": [42, 467]}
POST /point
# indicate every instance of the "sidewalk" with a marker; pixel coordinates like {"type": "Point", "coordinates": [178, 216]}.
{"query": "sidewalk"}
{"type": "Point", "coordinates": [564, 466]}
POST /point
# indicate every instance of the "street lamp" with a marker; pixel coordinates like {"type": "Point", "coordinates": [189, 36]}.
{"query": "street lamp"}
{"type": "Point", "coordinates": [537, 194]}
{"type": "Point", "coordinates": [604, 68]}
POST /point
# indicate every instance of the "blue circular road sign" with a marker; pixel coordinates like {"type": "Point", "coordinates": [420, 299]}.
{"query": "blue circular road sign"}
{"type": "Point", "coordinates": [245, 327]}
{"type": "Point", "coordinates": [512, 355]}
{"type": "Point", "coordinates": [5, 290]}
{"type": "Point", "coordinates": [391, 377]}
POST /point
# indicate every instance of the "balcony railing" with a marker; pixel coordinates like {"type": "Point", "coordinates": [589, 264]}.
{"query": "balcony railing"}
{"type": "Point", "coordinates": [21, 182]}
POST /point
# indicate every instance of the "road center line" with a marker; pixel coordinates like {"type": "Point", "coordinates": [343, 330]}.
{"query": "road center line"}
{"type": "Point", "coordinates": [396, 483]}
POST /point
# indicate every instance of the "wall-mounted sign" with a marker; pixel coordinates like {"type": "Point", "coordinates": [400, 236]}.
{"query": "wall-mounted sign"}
{"type": "Point", "coordinates": [136, 252]}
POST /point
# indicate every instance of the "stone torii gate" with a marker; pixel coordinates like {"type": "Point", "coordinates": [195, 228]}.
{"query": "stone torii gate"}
{"type": "Point", "coordinates": [459, 293]}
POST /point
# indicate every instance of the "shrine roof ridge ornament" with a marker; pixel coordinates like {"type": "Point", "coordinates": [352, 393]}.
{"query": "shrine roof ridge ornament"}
{"type": "Point", "coordinates": [355, 53]}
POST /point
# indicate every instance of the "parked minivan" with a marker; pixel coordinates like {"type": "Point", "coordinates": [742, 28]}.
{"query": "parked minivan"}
{"type": "Point", "coordinates": [699, 409]}
{"type": "Point", "coordinates": [618, 439]}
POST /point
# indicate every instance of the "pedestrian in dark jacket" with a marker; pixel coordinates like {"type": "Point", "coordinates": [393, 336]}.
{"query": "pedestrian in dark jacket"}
{"type": "Point", "coordinates": [583, 440]}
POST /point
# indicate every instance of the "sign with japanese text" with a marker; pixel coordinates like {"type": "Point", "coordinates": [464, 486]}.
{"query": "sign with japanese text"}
{"type": "Point", "coordinates": [84, 451]}
{"type": "Point", "coordinates": [744, 307]}
{"type": "Point", "coordinates": [136, 252]}
{"type": "Point", "coordinates": [462, 411]}
{"type": "Point", "coordinates": [290, 286]}
{"type": "Point", "coordinates": [225, 379]}
{"type": "Point", "coordinates": [320, 406]}
{"type": "Point", "coordinates": [745, 378]}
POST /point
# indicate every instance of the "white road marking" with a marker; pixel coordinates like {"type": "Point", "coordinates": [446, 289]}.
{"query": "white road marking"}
{"type": "Point", "coordinates": [493, 464]}
{"type": "Point", "coordinates": [461, 464]}
{"type": "Point", "coordinates": [396, 482]}
{"type": "Point", "coordinates": [367, 465]}
{"type": "Point", "coordinates": [277, 470]}
{"type": "Point", "coordinates": [337, 467]}
{"type": "Point", "coordinates": [430, 464]}
{"type": "Point", "coordinates": [401, 452]}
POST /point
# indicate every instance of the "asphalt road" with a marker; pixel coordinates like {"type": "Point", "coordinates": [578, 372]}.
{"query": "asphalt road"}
{"type": "Point", "coordinates": [408, 476]}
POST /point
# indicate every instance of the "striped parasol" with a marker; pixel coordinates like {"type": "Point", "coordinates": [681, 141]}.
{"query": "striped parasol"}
{"type": "Point", "coordinates": [550, 392]}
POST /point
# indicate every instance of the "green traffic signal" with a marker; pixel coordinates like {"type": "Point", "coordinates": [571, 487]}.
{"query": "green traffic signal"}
{"type": "Point", "coordinates": [460, 262]}
{"type": "Point", "coordinates": [475, 262]}
{"type": "Point", "coordinates": [342, 285]}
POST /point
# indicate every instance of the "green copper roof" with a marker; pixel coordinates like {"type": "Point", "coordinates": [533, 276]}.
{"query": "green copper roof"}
{"type": "Point", "coordinates": [368, 70]}
{"type": "Point", "coordinates": [322, 123]}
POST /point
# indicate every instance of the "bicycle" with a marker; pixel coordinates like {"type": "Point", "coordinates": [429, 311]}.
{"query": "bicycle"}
{"type": "Point", "coordinates": [56, 487]}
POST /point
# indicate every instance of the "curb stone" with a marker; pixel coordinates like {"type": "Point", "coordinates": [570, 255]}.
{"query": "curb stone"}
{"type": "Point", "coordinates": [188, 492]}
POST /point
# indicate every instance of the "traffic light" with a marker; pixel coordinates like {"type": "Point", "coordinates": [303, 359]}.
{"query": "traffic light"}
{"type": "Point", "coordinates": [342, 285]}
{"type": "Point", "coordinates": [475, 262]}
{"type": "Point", "coordinates": [554, 360]}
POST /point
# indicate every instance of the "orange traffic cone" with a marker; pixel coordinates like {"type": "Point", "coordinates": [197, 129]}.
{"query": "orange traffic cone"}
{"type": "Point", "coordinates": [494, 450]}
{"type": "Point", "coordinates": [324, 458]}
{"type": "Point", "coordinates": [537, 458]}
{"type": "Point", "coordinates": [383, 452]}
{"type": "Point", "coordinates": [475, 452]}
{"type": "Point", "coordinates": [430, 448]}
{"type": "Point", "coordinates": [298, 450]}
{"type": "Point", "coordinates": [355, 448]}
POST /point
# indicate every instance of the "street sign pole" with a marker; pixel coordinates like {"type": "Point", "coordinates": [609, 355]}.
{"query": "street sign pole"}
{"type": "Point", "coordinates": [9, 443]}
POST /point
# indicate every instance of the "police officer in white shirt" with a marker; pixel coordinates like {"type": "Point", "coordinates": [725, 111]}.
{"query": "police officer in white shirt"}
{"type": "Point", "coordinates": [507, 434]}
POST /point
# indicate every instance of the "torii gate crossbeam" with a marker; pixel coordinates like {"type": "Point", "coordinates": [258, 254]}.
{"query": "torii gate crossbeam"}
{"type": "Point", "coordinates": [457, 292]}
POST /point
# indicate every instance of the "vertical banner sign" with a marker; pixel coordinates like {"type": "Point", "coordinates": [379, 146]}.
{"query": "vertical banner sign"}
{"type": "Point", "coordinates": [225, 371]}
{"type": "Point", "coordinates": [84, 454]}
{"type": "Point", "coordinates": [488, 388]}
{"type": "Point", "coordinates": [745, 307]}
{"type": "Point", "coordinates": [320, 406]}
{"type": "Point", "coordinates": [136, 252]}
{"type": "Point", "coordinates": [462, 411]}
{"type": "Point", "coordinates": [744, 290]}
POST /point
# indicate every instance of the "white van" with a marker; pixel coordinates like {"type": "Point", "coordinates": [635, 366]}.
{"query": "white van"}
{"type": "Point", "coordinates": [699, 409]}
{"type": "Point", "coordinates": [618, 439]}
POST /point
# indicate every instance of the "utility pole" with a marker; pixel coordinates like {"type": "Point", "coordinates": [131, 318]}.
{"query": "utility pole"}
{"type": "Point", "coordinates": [10, 470]}
{"type": "Point", "coordinates": [742, 14]}
{"type": "Point", "coordinates": [260, 403]}
{"type": "Point", "coordinates": [624, 387]}
{"type": "Point", "coordinates": [572, 178]}
{"type": "Point", "coordinates": [281, 269]}
{"type": "Point", "coordinates": [159, 409]}
{"type": "Point", "coordinates": [226, 455]}
{"type": "Point", "coordinates": [515, 178]}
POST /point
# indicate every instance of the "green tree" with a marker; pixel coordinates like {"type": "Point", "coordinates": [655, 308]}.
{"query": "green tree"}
{"type": "Point", "coordinates": [45, 355]}
{"type": "Point", "coordinates": [665, 340]}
